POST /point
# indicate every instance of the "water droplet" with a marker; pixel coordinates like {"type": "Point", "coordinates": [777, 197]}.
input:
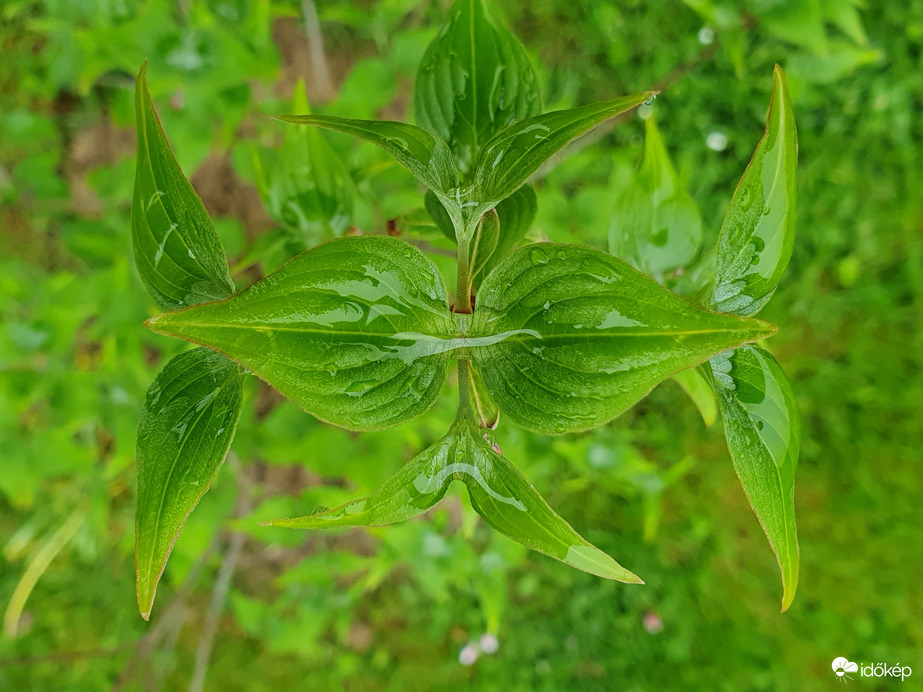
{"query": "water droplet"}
{"type": "Point", "coordinates": [767, 211]}
{"type": "Point", "coordinates": [759, 425]}
{"type": "Point", "coordinates": [331, 368]}
{"type": "Point", "coordinates": [660, 236]}
{"type": "Point", "coordinates": [538, 256]}
{"type": "Point", "coordinates": [758, 243]}
{"type": "Point", "coordinates": [559, 427]}
{"type": "Point", "coordinates": [561, 254]}
{"type": "Point", "coordinates": [320, 509]}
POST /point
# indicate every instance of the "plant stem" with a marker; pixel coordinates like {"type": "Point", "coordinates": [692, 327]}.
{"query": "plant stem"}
{"type": "Point", "coordinates": [463, 290]}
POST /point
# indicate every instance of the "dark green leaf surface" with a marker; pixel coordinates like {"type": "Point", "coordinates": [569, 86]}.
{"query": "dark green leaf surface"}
{"type": "Point", "coordinates": [587, 336]}
{"type": "Point", "coordinates": [516, 212]}
{"type": "Point", "coordinates": [516, 152]}
{"type": "Point", "coordinates": [355, 331]}
{"type": "Point", "coordinates": [439, 215]}
{"type": "Point", "coordinates": [656, 226]}
{"type": "Point", "coordinates": [474, 80]}
{"type": "Point", "coordinates": [185, 430]}
{"type": "Point", "coordinates": [499, 493]}
{"type": "Point", "coordinates": [763, 428]}
{"type": "Point", "coordinates": [308, 188]}
{"type": "Point", "coordinates": [424, 155]}
{"type": "Point", "coordinates": [485, 242]}
{"type": "Point", "coordinates": [177, 251]}
{"type": "Point", "coordinates": [759, 228]}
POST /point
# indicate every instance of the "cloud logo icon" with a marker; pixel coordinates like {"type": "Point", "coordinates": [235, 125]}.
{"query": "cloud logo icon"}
{"type": "Point", "coordinates": [842, 666]}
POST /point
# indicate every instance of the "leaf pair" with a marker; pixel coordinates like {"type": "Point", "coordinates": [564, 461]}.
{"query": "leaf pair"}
{"type": "Point", "coordinates": [756, 400]}
{"type": "Point", "coordinates": [191, 409]}
{"type": "Point", "coordinates": [498, 492]}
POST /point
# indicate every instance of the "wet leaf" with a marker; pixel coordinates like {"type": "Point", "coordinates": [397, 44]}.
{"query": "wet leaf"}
{"type": "Point", "coordinates": [499, 493]}
{"type": "Point", "coordinates": [586, 336]}
{"type": "Point", "coordinates": [355, 331]}
{"type": "Point", "coordinates": [759, 228]}
{"type": "Point", "coordinates": [474, 80]}
{"type": "Point", "coordinates": [307, 188]}
{"type": "Point", "coordinates": [762, 428]}
{"type": "Point", "coordinates": [424, 155]}
{"type": "Point", "coordinates": [515, 153]}
{"type": "Point", "coordinates": [185, 430]}
{"type": "Point", "coordinates": [177, 251]}
{"type": "Point", "coordinates": [656, 226]}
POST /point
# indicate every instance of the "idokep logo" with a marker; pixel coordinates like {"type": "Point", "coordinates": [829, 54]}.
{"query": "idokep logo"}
{"type": "Point", "coordinates": [842, 667]}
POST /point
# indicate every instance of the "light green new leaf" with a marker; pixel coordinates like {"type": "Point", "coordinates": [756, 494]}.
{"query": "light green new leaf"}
{"type": "Point", "coordinates": [762, 428]}
{"type": "Point", "coordinates": [656, 226]}
{"type": "Point", "coordinates": [499, 493]}
{"type": "Point", "coordinates": [185, 430]}
{"type": "Point", "coordinates": [515, 153]}
{"type": "Point", "coordinates": [307, 188]}
{"type": "Point", "coordinates": [177, 250]}
{"type": "Point", "coordinates": [587, 336]}
{"type": "Point", "coordinates": [352, 330]}
{"type": "Point", "coordinates": [474, 80]}
{"type": "Point", "coordinates": [759, 228]}
{"type": "Point", "coordinates": [698, 389]}
{"type": "Point", "coordinates": [426, 156]}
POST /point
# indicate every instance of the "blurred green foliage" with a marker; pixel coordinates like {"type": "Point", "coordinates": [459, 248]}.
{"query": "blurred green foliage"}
{"type": "Point", "coordinates": [393, 608]}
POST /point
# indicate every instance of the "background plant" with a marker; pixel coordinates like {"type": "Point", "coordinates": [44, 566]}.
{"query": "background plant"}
{"type": "Point", "coordinates": [72, 378]}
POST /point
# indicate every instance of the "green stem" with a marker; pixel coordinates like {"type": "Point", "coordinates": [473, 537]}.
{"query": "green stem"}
{"type": "Point", "coordinates": [464, 390]}
{"type": "Point", "coordinates": [463, 290]}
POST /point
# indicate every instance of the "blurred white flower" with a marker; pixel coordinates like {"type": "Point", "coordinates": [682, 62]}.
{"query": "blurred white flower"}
{"type": "Point", "coordinates": [468, 655]}
{"type": "Point", "coordinates": [716, 141]}
{"type": "Point", "coordinates": [706, 36]}
{"type": "Point", "coordinates": [653, 623]}
{"type": "Point", "coordinates": [489, 643]}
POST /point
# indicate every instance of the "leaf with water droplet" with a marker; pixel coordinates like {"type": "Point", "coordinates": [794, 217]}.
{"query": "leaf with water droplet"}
{"type": "Point", "coordinates": [589, 336]}
{"type": "Point", "coordinates": [474, 80]}
{"type": "Point", "coordinates": [656, 226]}
{"type": "Point", "coordinates": [176, 248]}
{"type": "Point", "coordinates": [184, 432]}
{"type": "Point", "coordinates": [306, 187]}
{"type": "Point", "coordinates": [516, 152]}
{"type": "Point", "coordinates": [498, 492]}
{"type": "Point", "coordinates": [343, 330]}
{"type": "Point", "coordinates": [759, 228]}
{"type": "Point", "coordinates": [426, 156]}
{"type": "Point", "coordinates": [762, 427]}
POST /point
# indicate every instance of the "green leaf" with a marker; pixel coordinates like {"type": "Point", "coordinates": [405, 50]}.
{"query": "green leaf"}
{"type": "Point", "coordinates": [763, 428]}
{"type": "Point", "coordinates": [185, 430]}
{"type": "Point", "coordinates": [439, 215]}
{"type": "Point", "coordinates": [424, 155]}
{"type": "Point", "coordinates": [759, 228]}
{"type": "Point", "coordinates": [515, 153]}
{"type": "Point", "coordinates": [485, 242]}
{"type": "Point", "coordinates": [516, 212]}
{"type": "Point", "coordinates": [352, 330]}
{"type": "Point", "coordinates": [697, 388]}
{"type": "Point", "coordinates": [308, 188]}
{"type": "Point", "coordinates": [474, 80]}
{"type": "Point", "coordinates": [585, 336]}
{"type": "Point", "coordinates": [656, 226]}
{"type": "Point", "coordinates": [498, 491]}
{"type": "Point", "coordinates": [177, 251]}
